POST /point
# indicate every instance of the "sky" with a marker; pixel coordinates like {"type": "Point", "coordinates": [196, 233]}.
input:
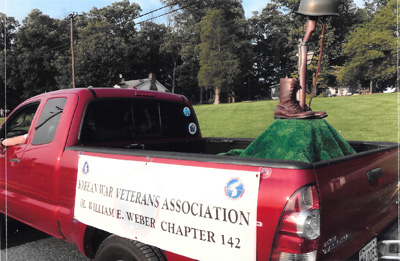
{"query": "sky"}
{"type": "Point", "coordinates": [59, 9]}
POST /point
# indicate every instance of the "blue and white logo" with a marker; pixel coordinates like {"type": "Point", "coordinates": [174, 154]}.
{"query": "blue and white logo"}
{"type": "Point", "coordinates": [85, 169]}
{"type": "Point", "coordinates": [192, 128]}
{"type": "Point", "coordinates": [187, 111]}
{"type": "Point", "coordinates": [234, 189]}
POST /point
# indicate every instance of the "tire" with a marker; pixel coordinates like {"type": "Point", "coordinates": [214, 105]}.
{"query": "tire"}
{"type": "Point", "coordinates": [115, 248]}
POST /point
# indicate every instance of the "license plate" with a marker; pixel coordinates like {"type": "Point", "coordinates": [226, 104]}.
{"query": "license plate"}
{"type": "Point", "coordinates": [369, 252]}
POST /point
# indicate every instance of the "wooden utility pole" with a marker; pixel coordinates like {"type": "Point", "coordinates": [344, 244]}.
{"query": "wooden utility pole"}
{"type": "Point", "coordinates": [71, 18]}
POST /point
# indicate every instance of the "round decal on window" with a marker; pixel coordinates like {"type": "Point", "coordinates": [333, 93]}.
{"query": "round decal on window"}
{"type": "Point", "coordinates": [192, 128]}
{"type": "Point", "coordinates": [187, 111]}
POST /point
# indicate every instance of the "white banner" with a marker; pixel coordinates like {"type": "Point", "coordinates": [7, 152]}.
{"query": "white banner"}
{"type": "Point", "coordinates": [202, 213]}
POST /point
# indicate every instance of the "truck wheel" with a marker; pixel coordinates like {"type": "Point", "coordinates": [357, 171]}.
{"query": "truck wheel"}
{"type": "Point", "coordinates": [116, 248]}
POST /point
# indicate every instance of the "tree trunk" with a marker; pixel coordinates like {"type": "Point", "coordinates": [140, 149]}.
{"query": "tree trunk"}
{"type": "Point", "coordinates": [371, 84]}
{"type": "Point", "coordinates": [217, 92]}
{"type": "Point", "coordinates": [201, 95]}
{"type": "Point", "coordinates": [173, 77]}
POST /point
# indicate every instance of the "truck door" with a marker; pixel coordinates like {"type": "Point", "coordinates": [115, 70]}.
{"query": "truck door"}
{"type": "Point", "coordinates": [19, 123]}
{"type": "Point", "coordinates": [40, 166]}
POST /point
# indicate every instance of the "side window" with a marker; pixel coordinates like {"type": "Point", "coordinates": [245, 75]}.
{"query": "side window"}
{"type": "Point", "coordinates": [20, 122]}
{"type": "Point", "coordinates": [48, 122]}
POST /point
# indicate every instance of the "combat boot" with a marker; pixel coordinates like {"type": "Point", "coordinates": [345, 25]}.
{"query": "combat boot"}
{"type": "Point", "coordinates": [288, 107]}
{"type": "Point", "coordinates": [318, 114]}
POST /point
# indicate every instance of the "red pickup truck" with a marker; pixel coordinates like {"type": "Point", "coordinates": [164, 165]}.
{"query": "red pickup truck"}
{"type": "Point", "coordinates": [126, 174]}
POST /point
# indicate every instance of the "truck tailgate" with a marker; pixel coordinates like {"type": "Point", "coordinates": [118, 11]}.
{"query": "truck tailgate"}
{"type": "Point", "coordinates": [358, 200]}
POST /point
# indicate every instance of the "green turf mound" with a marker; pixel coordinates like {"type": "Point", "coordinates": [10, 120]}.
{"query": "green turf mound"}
{"type": "Point", "coordinates": [301, 140]}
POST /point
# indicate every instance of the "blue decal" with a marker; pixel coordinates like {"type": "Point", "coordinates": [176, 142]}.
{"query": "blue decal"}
{"type": "Point", "coordinates": [85, 169]}
{"type": "Point", "coordinates": [234, 189]}
{"type": "Point", "coordinates": [192, 128]}
{"type": "Point", "coordinates": [187, 111]}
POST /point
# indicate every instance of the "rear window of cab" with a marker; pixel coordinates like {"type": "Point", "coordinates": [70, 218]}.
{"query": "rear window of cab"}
{"type": "Point", "coordinates": [132, 119]}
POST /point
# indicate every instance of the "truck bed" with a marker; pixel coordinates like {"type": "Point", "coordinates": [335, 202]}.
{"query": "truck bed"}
{"type": "Point", "coordinates": [357, 192]}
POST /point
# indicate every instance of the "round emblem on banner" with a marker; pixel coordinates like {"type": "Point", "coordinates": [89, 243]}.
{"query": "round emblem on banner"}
{"type": "Point", "coordinates": [187, 111]}
{"type": "Point", "coordinates": [192, 128]}
{"type": "Point", "coordinates": [234, 189]}
{"type": "Point", "coordinates": [85, 168]}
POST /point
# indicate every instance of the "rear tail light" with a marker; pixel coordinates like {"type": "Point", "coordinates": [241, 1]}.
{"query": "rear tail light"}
{"type": "Point", "coordinates": [299, 228]}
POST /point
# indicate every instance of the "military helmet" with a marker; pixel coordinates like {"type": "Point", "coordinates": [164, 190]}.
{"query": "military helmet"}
{"type": "Point", "coordinates": [318, 7]}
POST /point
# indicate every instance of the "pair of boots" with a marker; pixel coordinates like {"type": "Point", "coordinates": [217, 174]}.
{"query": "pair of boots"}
{"type": "Point", "coordinates": [289, 107]}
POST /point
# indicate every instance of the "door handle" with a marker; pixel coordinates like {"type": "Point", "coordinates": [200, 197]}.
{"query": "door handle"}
{"type": "Point", "coordinates": [374, 174]}
{"type": "Point", "coordinates": [14, 160]}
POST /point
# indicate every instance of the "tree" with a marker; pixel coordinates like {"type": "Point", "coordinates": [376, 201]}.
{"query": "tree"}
{"type": "Point", "coordinates": [149, 41]}
{"type": "Point", "coordinates": [270, 31]}
{"type": "Point", "coordinates": [171, 45]}
{"type": "Point", "coordinates": [105, 44]}
{"type": "Point", "coordinates": [372, 6]}
{"type": "Point", "coordinates": [371, 49]}
{"type": "Point", "coordinates": [187, 24]}
{"type": "Point", "coordinates": [120, 16]}
{"type": "Point", "coordinates": [8, 27]}
{"type": "Point", "coordinates": [37, 43]}
{"type": "Point", "coordinates": [218, 64]}
{"type": "Point", "coordinates": [99, 55]}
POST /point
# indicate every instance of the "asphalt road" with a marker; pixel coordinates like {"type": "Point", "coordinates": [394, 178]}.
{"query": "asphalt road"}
{"type": "Point", "coordinates": [24, 243]}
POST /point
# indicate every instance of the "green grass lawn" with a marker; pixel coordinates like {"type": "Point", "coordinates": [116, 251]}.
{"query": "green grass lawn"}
{"type": "Point", "coordinates": [364, 118]}
{"type": "Point", "coordinates": [1, 120]}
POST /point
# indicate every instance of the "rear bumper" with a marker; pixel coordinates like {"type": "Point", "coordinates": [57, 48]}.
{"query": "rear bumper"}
{"type": "Point", "coordinates": [389, 244]}
{"type": "Point", "coordinates": [389, 250]}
